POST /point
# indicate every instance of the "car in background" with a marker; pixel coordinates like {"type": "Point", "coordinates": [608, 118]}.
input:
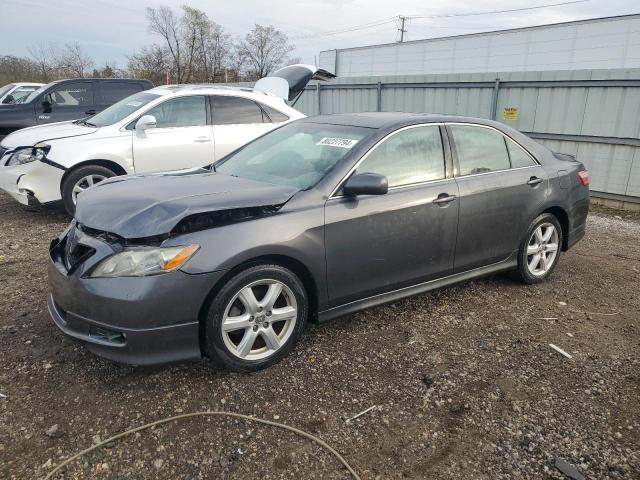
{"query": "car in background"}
{"type": "Point", "coordinates": [317, 219]}
{"type": "Point", "coordinates": [66, 100]}
{"type": "Point", "coordinates": [166, 128]}
{"type": "Point", "coordinates": [17, 92]}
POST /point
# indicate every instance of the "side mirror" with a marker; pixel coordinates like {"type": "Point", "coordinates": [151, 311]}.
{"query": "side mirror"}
{"type": "Point", "coordinates": [8, 99]}
{"type": "Point", "coordinates": [46, 105]}
{"type": "Point", "coordinates": [144, 123]}
{"type": "Point", "coordinates": [366, 184]}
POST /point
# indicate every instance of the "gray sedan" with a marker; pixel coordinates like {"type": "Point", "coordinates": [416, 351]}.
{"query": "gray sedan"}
{"type": "Point", "coordinates": [317, 219]}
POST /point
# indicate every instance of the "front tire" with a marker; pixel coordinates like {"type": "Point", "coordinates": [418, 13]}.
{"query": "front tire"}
{"type": "Point", "coordinates": [256, 318]}
{"type": "Point", "coordinates": [539, 252]}
{"type": "Point", "coordinates": [79, 180]}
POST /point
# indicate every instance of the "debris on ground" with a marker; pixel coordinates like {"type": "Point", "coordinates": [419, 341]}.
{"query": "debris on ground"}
{"type": "Point", "coordinates": [360, 414]}
{"type": "Point", "coordinates": [54, 431]}
{"type": "Point", "coordinates": [568, 470]}
{"type": "Point", "coordinates": [559, 350]}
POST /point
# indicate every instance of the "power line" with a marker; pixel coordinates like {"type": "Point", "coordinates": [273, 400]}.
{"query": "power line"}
{"type": "Point", "coordinates": [474, 14]}
{"type": "Point", "coordinates": [402, 18]}
{"type": "Point", "coordinates": [347, 29]}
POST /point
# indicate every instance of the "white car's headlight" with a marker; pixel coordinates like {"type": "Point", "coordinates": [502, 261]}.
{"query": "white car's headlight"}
{"type": "Point", "coordinates": [24, 155]}
{"type": "Point", "coordinates": [143, 261]}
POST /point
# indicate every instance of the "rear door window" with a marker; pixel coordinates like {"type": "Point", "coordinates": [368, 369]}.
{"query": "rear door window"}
{"type": "Point", "coordinates": [479, 149]}
{"type": "Point", "coordinates": [410, 156]}
{"type": "Point", "coordinates": [74, 94]}
{"type": "Point", "coordinates": [114, 91]}
{"type": "Point", "coordinates": [228, 110]}
{"type": "Point", "coordinates": [274, 115]}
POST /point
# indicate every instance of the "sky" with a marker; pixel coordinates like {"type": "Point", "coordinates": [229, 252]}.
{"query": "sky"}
{"type": "Point", "coordinates": [110, 30]}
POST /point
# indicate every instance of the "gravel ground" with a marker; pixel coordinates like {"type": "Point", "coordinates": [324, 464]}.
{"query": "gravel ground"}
{"type": "Point", "coordinates": [464, 381]}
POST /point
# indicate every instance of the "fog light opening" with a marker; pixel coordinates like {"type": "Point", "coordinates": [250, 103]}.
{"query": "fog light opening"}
{"type": "Point", "coordinates": [107, 335]}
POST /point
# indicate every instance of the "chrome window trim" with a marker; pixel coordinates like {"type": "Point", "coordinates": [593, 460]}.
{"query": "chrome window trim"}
{"type": "Point", "coordinates": [467, 124]}
{"type": "Point", "coordinates": [364, 157]}
{"type": "Point", "coordinates": [494, 171]}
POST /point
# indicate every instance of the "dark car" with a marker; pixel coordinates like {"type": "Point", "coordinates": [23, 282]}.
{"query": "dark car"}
{"type": "Point", "coordinates": [67, 100]}
{"type": "Point", "coordinates": [317, 219]}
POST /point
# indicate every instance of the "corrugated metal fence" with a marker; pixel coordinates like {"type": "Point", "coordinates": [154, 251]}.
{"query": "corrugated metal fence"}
{"type": "Point", "coordinates": [594, 114]}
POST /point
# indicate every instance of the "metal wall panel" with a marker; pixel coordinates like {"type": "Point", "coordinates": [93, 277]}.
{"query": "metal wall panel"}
{"type": "Point", "coordinates": [602, 43]}
{"type": "Point", "coordinates": [576, 104]}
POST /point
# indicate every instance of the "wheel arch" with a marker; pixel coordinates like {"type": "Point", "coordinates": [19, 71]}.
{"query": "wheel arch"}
{"type": "Point", "coordinates": [110, 164]}
{"type": "Point", "coordinates": [563, 218]}
{"type": "Point", "coordinates": [296, 266]}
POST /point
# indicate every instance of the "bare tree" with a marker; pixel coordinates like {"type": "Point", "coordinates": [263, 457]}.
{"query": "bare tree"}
{"type": "Point", "coordinates": [73, 62]}
{"type": "Point", "coordinates": [198, 46]}
{"type": "Point", "coordinates": [265, 49]}
{"type": "Point", "coordinates": [164, 22]}
{"type": "Point", "coordinates": [151, 63]}
{"type": "Point", "coordinates": [17, 69]}
{"type": "Point", "coordinates": [43, 55]}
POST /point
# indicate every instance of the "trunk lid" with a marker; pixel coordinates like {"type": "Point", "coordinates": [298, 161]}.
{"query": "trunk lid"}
{"type": "Point", "coordinates": [288, 82]}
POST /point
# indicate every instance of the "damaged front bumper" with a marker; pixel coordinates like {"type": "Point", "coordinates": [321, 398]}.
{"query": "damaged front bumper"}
{"type": "Point", "coordinates": [134, 320]}
{"type": "Point", "coordinates": [32, 183]}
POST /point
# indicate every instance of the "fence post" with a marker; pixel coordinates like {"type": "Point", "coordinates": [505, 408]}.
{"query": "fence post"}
{"type": "Point", "coordinates": [319, 100]}
{"type": "Point", "coordinates": [494, 99]}
{"type": "Point", "coordinates": [379, 96]}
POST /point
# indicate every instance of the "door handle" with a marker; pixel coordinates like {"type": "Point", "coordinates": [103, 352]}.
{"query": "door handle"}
{"type": "Point", "coordinates": [533, 181]}
{"type": "Point", "coordinates": [444, 199]}
{"type": "Point", "coordinates": [202, 139]}
{"type": "Point", "coordinates": [90, 112]}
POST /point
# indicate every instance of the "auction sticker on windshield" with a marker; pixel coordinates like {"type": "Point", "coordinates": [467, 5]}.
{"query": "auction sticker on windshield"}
{"type": "Point", "coordinates": [337, 142]}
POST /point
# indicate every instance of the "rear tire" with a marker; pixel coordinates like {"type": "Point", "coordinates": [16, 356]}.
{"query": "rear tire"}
{"type": "Point", "coordinates": [80, 179]}
{"type": "Point", "coordinates": [539, 252]}
{"type": "Point", "coordinates": [256, 318]}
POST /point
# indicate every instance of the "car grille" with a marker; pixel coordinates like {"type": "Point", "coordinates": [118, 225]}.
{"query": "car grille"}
{"type": "Point", "coordinates": [75, 253]}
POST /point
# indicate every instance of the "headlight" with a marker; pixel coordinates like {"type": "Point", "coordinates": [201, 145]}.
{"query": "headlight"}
{"type": "Point", "coordinates": [28, 154]}
{"type": "Point", "coordinates": [143, 261]}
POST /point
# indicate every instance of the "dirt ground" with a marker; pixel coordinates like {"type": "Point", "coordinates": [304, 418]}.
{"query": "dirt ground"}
{"type": "Point", "coordinates": [464, 382]}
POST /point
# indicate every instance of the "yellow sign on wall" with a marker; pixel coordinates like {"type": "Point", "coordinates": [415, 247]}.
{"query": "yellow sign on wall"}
{"type": "Point", "coordinates": [510, 113]}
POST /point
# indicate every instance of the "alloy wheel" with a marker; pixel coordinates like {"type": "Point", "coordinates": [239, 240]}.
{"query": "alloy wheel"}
{"type": "Point", "coordinates": [84, 183]}
{"type": "Point", "coordinates": [259, 319]}
{"type": "Point", "coordinates": [542, 249]}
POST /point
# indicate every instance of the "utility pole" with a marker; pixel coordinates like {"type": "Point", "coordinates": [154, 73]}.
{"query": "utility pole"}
{"type": "Point", "coordinates": [401, 29]}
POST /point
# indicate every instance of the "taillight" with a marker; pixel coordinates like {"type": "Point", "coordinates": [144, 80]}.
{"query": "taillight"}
{"type": "Point", "coordinates": [583, 176]}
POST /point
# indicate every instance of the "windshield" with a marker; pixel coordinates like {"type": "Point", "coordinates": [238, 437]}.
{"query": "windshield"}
{"type": "Point", "coordinates": [298, 154]}
{"type": "Point", "coordinates": [121, 110]}
{"type": "Point", "coordinates": [20, 93]}
{"type": "Point", "coordinates": [5, 89]}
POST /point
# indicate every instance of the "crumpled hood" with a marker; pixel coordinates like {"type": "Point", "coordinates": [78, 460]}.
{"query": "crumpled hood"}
{"type": "Point", "coordinates": [139, 206]}
{"type": "Point", "coordinates": [29, 136]}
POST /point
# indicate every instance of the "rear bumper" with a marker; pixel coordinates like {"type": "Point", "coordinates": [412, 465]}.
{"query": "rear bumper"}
{"type": "Point", "coordinates": [577, 222]}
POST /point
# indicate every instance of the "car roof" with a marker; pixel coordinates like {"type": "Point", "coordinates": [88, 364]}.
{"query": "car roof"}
{"type": "Point", "coordinates": [207, 88]}
{"type": "Point", "coordinates": [383, 120]}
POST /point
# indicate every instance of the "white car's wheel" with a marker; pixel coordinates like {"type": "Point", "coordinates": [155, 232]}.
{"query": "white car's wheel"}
{"type": "Point", "coordinates": [79, 180]}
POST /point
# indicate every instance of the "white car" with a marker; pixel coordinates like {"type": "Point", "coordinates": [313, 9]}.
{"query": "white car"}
{"type": "Point", "coordinates": [14, 92]}
{"type": "Point", "coordinates": [166, 128]}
